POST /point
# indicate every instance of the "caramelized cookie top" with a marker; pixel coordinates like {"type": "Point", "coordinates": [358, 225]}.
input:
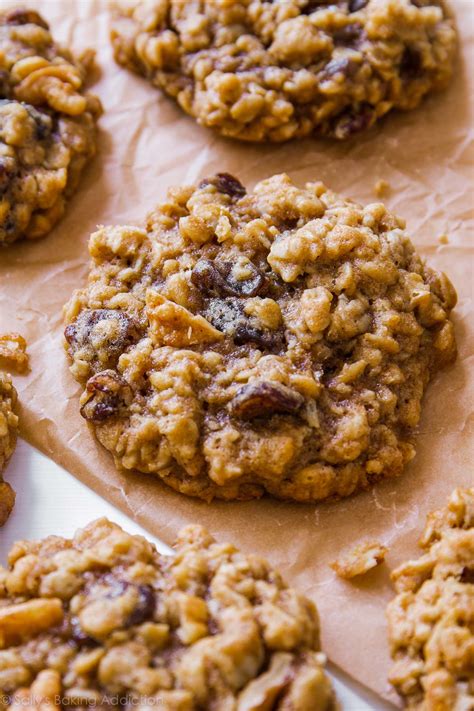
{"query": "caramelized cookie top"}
{"type": "Point", "coordinates": [276, 340]}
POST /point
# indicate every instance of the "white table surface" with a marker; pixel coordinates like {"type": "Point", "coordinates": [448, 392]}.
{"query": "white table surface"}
{"type": "Point", "coordinates": [51, 501]}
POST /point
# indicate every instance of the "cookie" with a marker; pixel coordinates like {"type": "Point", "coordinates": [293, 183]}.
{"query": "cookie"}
{"type": "Point", "coordinates": [47, 126]}
{"type": "Point", "coordinates": [105, 615]}
{"type": "Point", "coordinates": [272, 71]}
{"type": "Point", "coordinates": [8, 432]}
{"type": "Point", "coordinates": [273, 341]}
{"type": "Point", "coordinates": [431, 621]}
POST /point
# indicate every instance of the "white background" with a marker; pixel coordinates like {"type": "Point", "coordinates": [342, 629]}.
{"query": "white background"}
{"type": "Point", "coordinates": [51, 501]}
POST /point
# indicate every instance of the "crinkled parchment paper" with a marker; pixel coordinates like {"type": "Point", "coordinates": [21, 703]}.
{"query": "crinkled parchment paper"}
{"type": "Point", "coordinates": [146, 145]}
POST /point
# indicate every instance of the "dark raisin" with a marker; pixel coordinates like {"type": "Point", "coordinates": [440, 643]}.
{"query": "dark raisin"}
{"type": "Point", "coordinates": [108, 395]}
{"type": "Point", "coordinates": [349, 35]}
{"type": "Point", "coordinates": [145, 606]}
{"type": "Point", "coordinates": [213, 279]}
{"type": "Point", "coordinates": [104, 332]}
{"type": "Point", "coordinates": [467, 575]}
{"type": "Point", "coordinates": [356, 5]}
{"type": "Point", "coordinates": [5, 88]}
{"type": "Point", "coordinates": [352, 122]}
{"type": "Point", "coordinates": [225, 183]}
{"type": "Point", "coordinates": [265, 398]}
{"type": "Point", "coordinates": [25, 17]}
{"type": "Point", "coordinates": [411, 65]}
{"type": "Point", "coordinates": [268, 340]}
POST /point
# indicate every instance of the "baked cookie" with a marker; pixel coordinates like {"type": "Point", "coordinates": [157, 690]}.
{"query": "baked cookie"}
{"type": "Point", "coordinates": [47, 125]}
{"type": "Point", "coordinates": [8, 431]}
{"type": "Point", "coordinates": [105, 615]}
{"type": "Point", "coordinates": [273, 341]}
{"type": "Point", "coordinates": [270, 71]}
{"type": "Point", "coordinates": [431, 621]}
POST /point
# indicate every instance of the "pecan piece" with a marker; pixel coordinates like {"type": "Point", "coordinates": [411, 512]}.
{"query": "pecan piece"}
{"type": "Point", "coordinates": [214, 279]}
{"type": "Point", "coordinates": [225, 183]}
{"type": "Point", "coordinates": [264, 398]}
{"type": "Point", "coordinates": [107, 394]}
{"type": "Point", "coordinates": [23, 621]}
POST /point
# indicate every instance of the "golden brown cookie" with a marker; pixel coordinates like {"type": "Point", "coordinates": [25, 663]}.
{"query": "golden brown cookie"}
{"type": "Point", "coordinates": [274, 341]}
{"type": "Point", "coordinates": [104, 616]}
{"type": "Point", "coordinates": [8, 432]}
{"type": "Point", "coordinates": [259, 70]}
{"type": "Point", "coordinates": [47, 125]}
{"type": "Point", "coordinates": [431, 621]}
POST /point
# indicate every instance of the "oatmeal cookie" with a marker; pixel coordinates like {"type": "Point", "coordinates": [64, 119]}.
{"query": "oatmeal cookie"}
{"type": "Point", "coordinates": [273, 341]}
{"type": "Point", "coordinates": [8, 430]}
{"type": "Point", "coordinates": [105, 615]}
{"type": "Point", "coordinates": [259, 70]}
{"type": "Point", "coordinates": [47, 126]}
{"type": "Point", "coordinates": [431, 621]}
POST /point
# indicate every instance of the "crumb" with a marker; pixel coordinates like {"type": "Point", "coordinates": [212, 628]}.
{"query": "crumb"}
{"type": "Point", "coordinates": [381, 188]}
{"type": "Point", "coordinates": [13, 353]}
{"type": "Point", "coordinates": [443, 239]}
{"type": "Point", "coordinates": [360, 560]}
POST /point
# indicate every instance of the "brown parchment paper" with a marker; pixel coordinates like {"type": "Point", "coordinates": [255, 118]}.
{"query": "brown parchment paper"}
{"type": "Point", "coordinates": [147, 144]}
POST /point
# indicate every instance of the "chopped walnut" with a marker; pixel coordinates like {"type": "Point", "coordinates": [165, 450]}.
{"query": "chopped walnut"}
{"type": "Point", "coordinates": [360, 560]}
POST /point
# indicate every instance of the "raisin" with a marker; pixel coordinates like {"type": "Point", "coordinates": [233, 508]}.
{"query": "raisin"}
{"type": "Point", "coordinates": [341, 65]}
{"type": "Point", "coordinates": [265, 398]}
{"type": "Point", "coordinates": [227, 315]}
{"type": "Point", "coordinates": [214, 279]}
{"type": "Point", "coordinates": [108, 394]}
{"type": "Point", "coordinates": [25, 17]}
{"type": "Point", "coordinates": [467, 575]}
{"type": "Point", "coordinates": [225, 183]}
{"type": "Point", "coordinates": [145, 606]}
{"type": "Point", "coordinates": [5, 89]}
{"type": "Point", "coordinates": [268, 340]}
{"type": "Point", "coordinates": [348, 35]}
{"type": "Point", "coordinates": [79, 636]}
{"type": "Point", "coordinates": [102, 334]}
{"type": "Point", "coordinates": [411, 65]}
{"type": "Point", "coordinates": [352, 122]}
{"type": "Point", "coordinates": [356, 5]}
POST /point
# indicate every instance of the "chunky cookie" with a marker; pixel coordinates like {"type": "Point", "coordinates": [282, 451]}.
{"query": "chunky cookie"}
{"type": "Point", "coordinates": [431, 621]}
{"type": "Point", "coordinates": [273, 341]}
{"type": "Point", "coordinates": [8, 431]}
{"type": "Point", "coordinates": [270, 71]}
{"type": "Point", "coordinates": [104, 616]}
{"type": "Point", "coordinates": [47, 126]}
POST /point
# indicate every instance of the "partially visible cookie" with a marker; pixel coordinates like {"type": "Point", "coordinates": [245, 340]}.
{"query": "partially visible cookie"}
{"type": "Point", "coordinates": [270, 71]}
{"type": "Point", "coordinates": [277, 340]}
{"type": "Point", "coordinates": [47, 126]}
{"type": "Point", "coordinates": [8, 432]}
{"type": "Point", "coordinates": [431, 621]}
{"type": "Point", "coordinates": [105, 615]}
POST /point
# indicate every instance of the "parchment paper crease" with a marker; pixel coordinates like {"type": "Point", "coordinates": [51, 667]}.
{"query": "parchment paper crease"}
{"type": "Point", "coordinates": [146, 145]}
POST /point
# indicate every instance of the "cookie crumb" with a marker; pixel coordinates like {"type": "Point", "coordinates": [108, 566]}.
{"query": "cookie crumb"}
{"type": "Point", "coordinates": [443, 239]}
{"type": "Point", "coordinates": [13, 355]}
{"type": "Point", "coordinates": [360, 560]}
{"type": "Point", "coordinates": [382, 188]}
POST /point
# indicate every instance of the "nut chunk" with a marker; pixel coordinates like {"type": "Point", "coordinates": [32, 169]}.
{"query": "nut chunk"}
{"type": "Point", "coordinates": [208, 627]}
{"type": "Point", "coordinates": [47, 125]}
{"type": "Point", "coordinates": [8, 433]}
{"type": "Point", "coordinates": [360, 560]}
{"type": "Point", "coordinates": [431, 621]}
{"type": "Point", "coordinates": [267, 341]}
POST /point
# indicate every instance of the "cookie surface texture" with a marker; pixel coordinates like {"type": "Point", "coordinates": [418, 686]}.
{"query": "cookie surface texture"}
{"type": "Point", "coordinates": [272, 71]}
{"type": "Point", "coordinates": [431, 621]}
{"type": "Point", "coordinates": [47, 126]}
{"type": "Point", "coordinates": [273, 341]}
{"type": "Point", "coordinates": [8, 434]}
{"type": "Point", "coordinates": [104, 615]}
